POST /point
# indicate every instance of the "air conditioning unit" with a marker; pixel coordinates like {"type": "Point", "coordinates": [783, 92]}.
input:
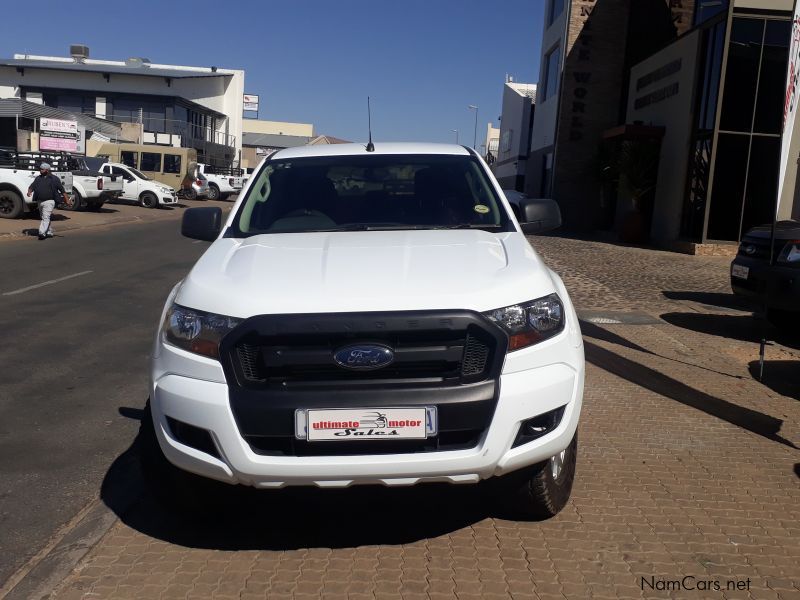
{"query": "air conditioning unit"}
{"type": "Point", "coordinates": [79, 52]}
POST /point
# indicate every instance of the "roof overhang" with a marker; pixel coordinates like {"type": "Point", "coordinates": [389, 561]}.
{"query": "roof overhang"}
{"type": "Point", "coordinates": [12, 107]}
{"type": "Point", "coordinates": [104, 69]}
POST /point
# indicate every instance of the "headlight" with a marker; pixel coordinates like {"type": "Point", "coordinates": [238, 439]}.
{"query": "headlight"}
{"type": "Point", "coordinates": [530, 323]}
{"type": "Point", "coordinates": [196, 331]}
{"type": "Point", "coordinates": [791, 253]}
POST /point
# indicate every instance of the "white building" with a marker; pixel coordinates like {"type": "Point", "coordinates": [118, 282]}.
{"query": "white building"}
{"type": "Point", "coordinates": [198, 107]}
{"type": "Point", "coordinates": [516, 122]}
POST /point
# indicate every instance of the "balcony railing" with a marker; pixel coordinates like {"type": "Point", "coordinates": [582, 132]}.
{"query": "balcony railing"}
{"type": "Point", "coordinates": [174, 132]}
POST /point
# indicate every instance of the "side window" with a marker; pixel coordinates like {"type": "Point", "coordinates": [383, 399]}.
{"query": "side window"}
{"type": "Point", "coordinates": [151, 161]}
{"type": "Point", "coordinates": [129, 158]}
{"type": "Point", "coordinates": [122, 173]}
{"type": "Point", "coordinates": [107, 170]}
{"type": "Point", "coordinates": [172, 163]}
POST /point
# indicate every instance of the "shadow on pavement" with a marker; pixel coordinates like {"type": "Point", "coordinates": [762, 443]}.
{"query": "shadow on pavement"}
{"type": "Point", "coordinates": [744, 328]}
{"type": "Point", "coordinates": [730, 300]}
{"type": "Point", "coordinates": [751, 420]}
{"type": "Point", "coordinates": [599, 333]}
{"type": "Point", "coordinates": [243, 518]}
{"type": "Point", "coordinates": [782, 376]}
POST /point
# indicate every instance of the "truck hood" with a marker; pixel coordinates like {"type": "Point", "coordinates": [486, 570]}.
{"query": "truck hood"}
{"type": "Point", "coordinates": [365, 271]}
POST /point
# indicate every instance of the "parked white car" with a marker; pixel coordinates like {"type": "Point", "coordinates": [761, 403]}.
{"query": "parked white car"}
{"type": "Point", "coordinates": [220, 185]}
{"type": "Point", "coordinates": [368, 317]}
{"type": "Point", "coordinates": [138, 187]}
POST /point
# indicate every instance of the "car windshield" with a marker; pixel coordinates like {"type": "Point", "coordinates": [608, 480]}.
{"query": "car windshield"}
{"type": "Point", "coordinates": [370, 193]}
{"type": "Point", "coordinates": [138, 174]}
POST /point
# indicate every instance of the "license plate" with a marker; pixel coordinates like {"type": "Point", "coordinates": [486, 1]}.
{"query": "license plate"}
{"type": "Point", "coordinates": [740, 271]}
{"type": "Point", "coordinates": [360, 424]}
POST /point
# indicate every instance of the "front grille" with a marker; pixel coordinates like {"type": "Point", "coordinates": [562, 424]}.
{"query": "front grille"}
{"type": "Point", "coordinates": [276, 365]}
{"type": "Point", "coordinates": [432, 358]}
{"type": "Point", "coordinates": [290, 446]}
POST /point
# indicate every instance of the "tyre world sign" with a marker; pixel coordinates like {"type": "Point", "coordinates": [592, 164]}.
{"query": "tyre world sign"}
{"type": "Point", "coordinates": [58, 134]}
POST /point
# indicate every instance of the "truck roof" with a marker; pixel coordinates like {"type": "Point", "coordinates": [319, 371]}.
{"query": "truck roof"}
{"type": "Point", "coordinates": [360, 149]}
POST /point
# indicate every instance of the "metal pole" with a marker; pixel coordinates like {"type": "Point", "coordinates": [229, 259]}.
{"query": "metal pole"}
{"type": "Point", "coordinates": [475, 133]}
{"type": "Point", "coordinates": [775, 205]}
{"type": "Point", "coordinates": [456, 132]}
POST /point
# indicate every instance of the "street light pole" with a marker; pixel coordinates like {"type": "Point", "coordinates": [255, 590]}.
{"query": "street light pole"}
{"type": "Point", "coordinates": [475, 134]}
{"type": "Point", "coordinates": [456, 132]}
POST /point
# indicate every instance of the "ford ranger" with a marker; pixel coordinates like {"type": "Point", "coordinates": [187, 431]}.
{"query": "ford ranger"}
{"type": "Point", "coordinates": [369, 315]}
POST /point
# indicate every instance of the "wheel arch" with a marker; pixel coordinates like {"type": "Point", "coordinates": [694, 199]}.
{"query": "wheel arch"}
{"type": "Point", "coordinates": [10, 187]}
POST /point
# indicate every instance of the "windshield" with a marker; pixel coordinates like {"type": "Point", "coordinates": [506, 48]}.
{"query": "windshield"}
{"type": "Point", "coordinates": [138, 174]}
{"type": "Point", "coordinates": [374, 192]}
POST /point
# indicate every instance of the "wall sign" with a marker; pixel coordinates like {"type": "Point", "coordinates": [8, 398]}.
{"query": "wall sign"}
{"type": "Point", "coordinates": [251, 102]}
{"type": "Point", "coordinates": [58, 134]}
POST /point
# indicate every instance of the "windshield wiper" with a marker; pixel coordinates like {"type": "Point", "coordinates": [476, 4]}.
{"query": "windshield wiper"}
{"type": "Point", "coordinates": [471, 226]}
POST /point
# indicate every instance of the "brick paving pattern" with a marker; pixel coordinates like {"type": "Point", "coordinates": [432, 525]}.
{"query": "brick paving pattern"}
{"type": "Point", "coordinates": [687, 467]}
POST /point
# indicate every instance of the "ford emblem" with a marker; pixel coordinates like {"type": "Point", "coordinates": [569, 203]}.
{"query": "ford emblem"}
{"type": "Point", "coordinates": [363, 357]}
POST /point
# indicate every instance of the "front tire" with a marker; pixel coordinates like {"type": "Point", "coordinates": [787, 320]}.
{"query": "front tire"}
{"type": "Point", "coordinates": [173, 488]}
{"type": "Point", "coordinates": [11, 204]}
{"type": "Point", "coordinates": [542, 491]}
{"type": "Point", "coordinates": [148, 200]}
{"type": "Point", "coordinates": [213, 192]}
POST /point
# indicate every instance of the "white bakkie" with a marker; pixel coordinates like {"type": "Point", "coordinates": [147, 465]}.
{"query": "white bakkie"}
{"type": "Point", "coordinates": [369, 315]}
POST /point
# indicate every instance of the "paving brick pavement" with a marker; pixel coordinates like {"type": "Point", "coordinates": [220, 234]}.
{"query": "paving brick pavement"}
{"type": "Point", "coordinates": [687, 468]}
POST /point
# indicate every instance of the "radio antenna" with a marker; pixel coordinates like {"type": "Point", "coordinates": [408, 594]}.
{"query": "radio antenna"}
{"type": "Point", "coordinates": [370, 145]}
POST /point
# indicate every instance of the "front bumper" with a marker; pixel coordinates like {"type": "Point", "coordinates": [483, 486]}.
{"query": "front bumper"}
{"type": "Point", "coordinates": [166, 199]}
{"type": "Point", "coordinates": [779, 285]}
{"type": "Point", "coordinates": [534, 381]}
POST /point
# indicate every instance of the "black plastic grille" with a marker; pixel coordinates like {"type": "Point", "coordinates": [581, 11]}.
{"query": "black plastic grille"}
{"type": "Point", "coordinates": [419, 358]}
{"type": "Point", "coordinates": [290, 446]}
{"type": "Point", "coordinates": [449, 360]}
{"type": "Point", "coordinates": [475, 355]}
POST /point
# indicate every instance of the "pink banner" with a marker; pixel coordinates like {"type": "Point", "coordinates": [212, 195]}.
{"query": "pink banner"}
{"type": "Point", "coordinates": [60, 144]}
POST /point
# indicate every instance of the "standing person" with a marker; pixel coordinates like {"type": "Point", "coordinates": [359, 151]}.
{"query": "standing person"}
{"type": "Point", "coordinates": [45, 189]}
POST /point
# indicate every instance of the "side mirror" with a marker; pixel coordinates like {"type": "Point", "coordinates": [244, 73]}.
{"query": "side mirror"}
{"type": "Point", "coordinates": [539, 215]}
{"type": "Point", "coordinates": [202, 223]}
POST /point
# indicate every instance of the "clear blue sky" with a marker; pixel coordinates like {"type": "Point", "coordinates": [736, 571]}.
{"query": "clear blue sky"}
{"type": "Point", "coordinates": [421, 61]}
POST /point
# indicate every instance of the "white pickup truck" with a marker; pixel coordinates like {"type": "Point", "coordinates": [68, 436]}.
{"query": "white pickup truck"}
{"type": "Point", "coordinates": [17, 171]}
{"type": "Point", "coordinates": [368, 315]}
{"type": "Point", "coordinates": [91, 188]}
{"type": "Point", "coordinates": [221, 185]}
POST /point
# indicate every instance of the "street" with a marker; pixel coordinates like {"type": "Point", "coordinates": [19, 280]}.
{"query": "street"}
{"type": "Point", "coordinates": [74, 367]}
{"type": "Point", "coordinates": [687, 466]}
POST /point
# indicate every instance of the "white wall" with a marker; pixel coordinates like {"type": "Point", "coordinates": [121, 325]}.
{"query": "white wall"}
{"type": "Point", "coordinates": [277, 127]}
{"type": "Point", "coordinates": [544, 124]}
{"type": "Point", "coordinates": [675, 114]}
{"type": "Point", "coordinates": [514, 123]}
{"type": "Point", "coordinates": [221, 94]}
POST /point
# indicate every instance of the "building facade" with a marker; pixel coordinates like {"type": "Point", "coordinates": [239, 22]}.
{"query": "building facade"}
{"type": "Point", "coordinates": [667, 110]}
{"type": "Point", "coordinates": [718, 93]}
{"type": "Point", "coordinates": [588, 47]}
{"type": "Point", "coordinates": [516, 123]}
{"type": "Point", "coordinates": [197, 107]}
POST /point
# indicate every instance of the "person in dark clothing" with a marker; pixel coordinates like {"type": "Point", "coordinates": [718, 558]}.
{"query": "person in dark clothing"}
{"type": "Point", "coordinates": [45, 189]}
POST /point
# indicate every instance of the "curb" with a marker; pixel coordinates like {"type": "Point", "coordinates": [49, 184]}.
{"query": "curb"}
{"type": "Point", "coordinates": [47, 570]}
